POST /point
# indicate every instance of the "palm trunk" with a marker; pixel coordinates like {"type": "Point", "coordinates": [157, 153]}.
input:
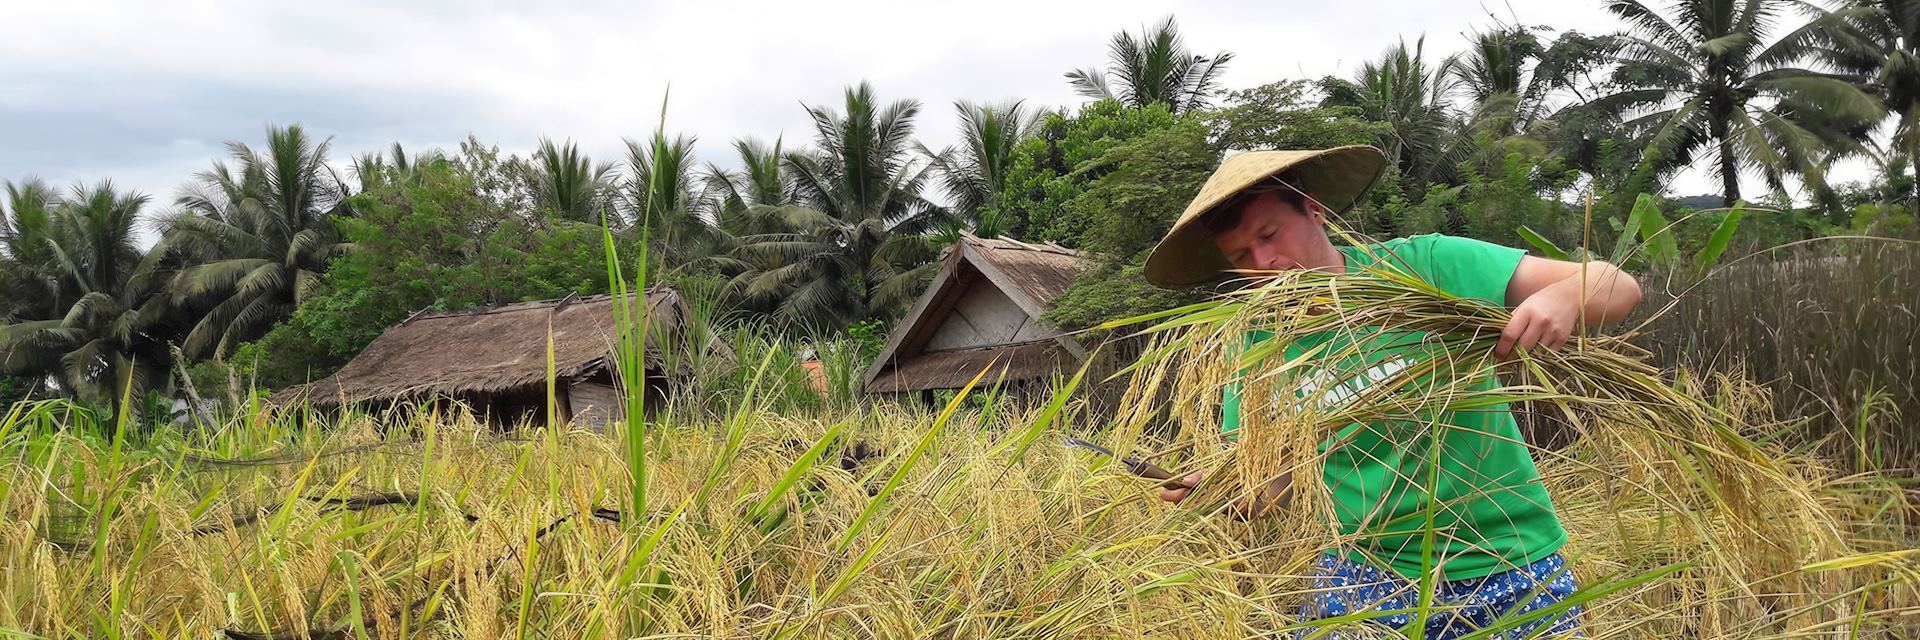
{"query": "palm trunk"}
{"type": "Point", "coordinates": [1729, 174]}
{"type": "Point", "coordinates": [1720, 109]}
{"type": "Point", "coordinates": [1911, 140]}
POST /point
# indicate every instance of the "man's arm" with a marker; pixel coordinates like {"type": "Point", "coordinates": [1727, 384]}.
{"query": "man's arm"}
{"type": "Point", "coordinates": [1553, 298]}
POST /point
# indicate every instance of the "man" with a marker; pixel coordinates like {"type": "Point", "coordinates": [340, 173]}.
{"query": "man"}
{"type": "Point", "coordinates": [1496, 538]}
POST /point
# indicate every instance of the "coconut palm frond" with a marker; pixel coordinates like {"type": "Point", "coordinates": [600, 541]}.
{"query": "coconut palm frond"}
{"type": "Point", "coordinates": [1092, 83]}
{"type": "Point", "coordinates": [214, 280]}
{"type": "Point", "coordinates": [1714, 75]}
{"type": "Point", "coordinates": [900, 289]}
{"type": "Point", "coordinates": [570, 183]}
{"type": "Point", "coordinates": [252, 321]}
{"type": "Point", "coordinates": [1155, 67]}
{"type": "Point", "coordinates": [206, 334]}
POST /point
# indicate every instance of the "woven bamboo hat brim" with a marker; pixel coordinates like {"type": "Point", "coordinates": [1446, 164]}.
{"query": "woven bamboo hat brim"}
{"type": "Point", "coordinates": [1336, 177]}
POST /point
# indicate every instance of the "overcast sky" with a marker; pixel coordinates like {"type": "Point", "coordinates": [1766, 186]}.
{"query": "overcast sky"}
{"type": "Point", "coordinates": [147, 92]}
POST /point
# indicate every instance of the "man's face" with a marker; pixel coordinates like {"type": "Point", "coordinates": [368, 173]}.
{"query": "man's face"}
{"type": "Point", "coordinates": [1274, 235]}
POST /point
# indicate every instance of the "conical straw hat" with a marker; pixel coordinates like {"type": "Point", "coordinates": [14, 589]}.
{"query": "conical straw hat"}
{"type": "Point", "coordinates": [1336, 177]}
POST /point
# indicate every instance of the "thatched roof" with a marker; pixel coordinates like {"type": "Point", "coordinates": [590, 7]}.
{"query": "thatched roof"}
{"type": "Point", "coordinates": [1032, 276]}
{"type": "Point", "coordinates": [499, 349]}
{"type": "Point", "coordinates": [1040, 271]}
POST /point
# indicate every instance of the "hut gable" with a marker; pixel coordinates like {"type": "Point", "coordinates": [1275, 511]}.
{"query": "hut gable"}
{"type": "Point", "coordinates": [983, 307]}
{"type": "Point", "coordinates": [983, 317]}
{"type": "Point", "coordinates": [481, 353]}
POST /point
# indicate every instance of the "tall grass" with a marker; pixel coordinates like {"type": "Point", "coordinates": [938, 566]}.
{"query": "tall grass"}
{"type": "Point", "coordinates": [787, 386]}
{"type": "Point", "coordinates": [1832, 329]}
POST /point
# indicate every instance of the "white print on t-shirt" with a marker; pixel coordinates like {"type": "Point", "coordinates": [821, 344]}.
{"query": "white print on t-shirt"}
{"type": "Point", "coordinates": [1346, 391]}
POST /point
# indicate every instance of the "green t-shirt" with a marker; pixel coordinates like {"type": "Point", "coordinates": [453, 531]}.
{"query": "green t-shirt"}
{"type": "Point", "coordinates": [1491, 513]}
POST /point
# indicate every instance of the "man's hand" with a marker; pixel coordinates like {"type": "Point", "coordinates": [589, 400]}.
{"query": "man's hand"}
{"type": "Point", "coordinates": [1546, 320]}
{"type": "Point", "coordinates": [1274, 494]}
{"type": "Point", "coordinates": [1176, 494]}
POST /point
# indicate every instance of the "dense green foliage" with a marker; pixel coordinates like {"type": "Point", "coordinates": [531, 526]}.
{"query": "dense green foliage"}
{"type": "Point", "coordinates": [1287, 115]}
{"type": "Point", "coordinates": [1044, 176]}
{"type": "Point", "coordinates": [434, 243]}
{"type": "Point", "coordinates": [1143, 185]}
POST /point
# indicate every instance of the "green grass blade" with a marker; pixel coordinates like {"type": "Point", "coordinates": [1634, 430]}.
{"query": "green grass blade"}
{"type": "Point", "coordinates": [1623, 247]}
{"type": "Point", "coordinates": [1662, 248]}
{"type": "Point", "coordinates": [1717, 243]}
{"type": "Point", "coordinates": [1547, 247]}
{"type": "Point", "coordinates": [799, 469]}
{"type": "Point", "coordinates": [356, 618]}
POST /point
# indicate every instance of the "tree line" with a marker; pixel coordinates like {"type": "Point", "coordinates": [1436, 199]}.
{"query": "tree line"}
{"type": "Point", "coordinates": [274, 266]}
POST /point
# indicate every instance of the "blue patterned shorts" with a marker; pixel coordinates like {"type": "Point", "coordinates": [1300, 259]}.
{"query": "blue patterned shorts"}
{"type": "Point", "coordinates": [1342, 587]}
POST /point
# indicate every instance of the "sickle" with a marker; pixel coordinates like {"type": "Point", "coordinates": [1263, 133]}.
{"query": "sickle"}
{"type": "Point", "coordinates": [1137, 466]}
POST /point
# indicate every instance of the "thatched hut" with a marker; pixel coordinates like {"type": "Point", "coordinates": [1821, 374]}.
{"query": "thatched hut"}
{"type": "Point", "coordinates": [984, 307]}
{"type": "Point", "coordinates": [494, 360]}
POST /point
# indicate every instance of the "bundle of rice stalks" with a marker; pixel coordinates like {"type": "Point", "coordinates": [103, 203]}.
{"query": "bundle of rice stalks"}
{"type": "Point", "coordinates": [1707, 530]}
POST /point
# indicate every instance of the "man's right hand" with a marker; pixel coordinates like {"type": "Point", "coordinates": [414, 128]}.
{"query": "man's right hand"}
{"type": "Point", "coordinates": [1276, 493]}
{"type": "Point", "coordinates": [1176, 494]}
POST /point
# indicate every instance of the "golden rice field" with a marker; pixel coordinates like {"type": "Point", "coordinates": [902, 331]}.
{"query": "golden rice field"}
{"type": "Point", "coordinates": [878, 521]}
{"type": "Point", "coordinates": [488, 537]}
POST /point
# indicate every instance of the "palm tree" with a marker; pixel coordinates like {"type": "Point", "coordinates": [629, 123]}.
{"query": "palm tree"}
{"type": "Point", "coordinates": [1155, 68]}
{"type": "Point", "coordinates": [750, 205]}
{"type": "Point", "coordinates": [854, 247]}
{"type": "Point", "coordinates": [737, 198]}
{"type": "Point", "coordinates": [570, 183]}
{"type": "Point", "coordinates": [663, 197]}
{"type": "Point", "coordinates": [974, 173]}
{"type": "Point", "coordinates": [112, 328]}
{"type": "Point", "coordinates": [257, 235]}
{"type": "Point", "coordinates": [1579, 137]}
{"type": "Point", "coordinates": [1883, 43]}
{"type": "Point", "coordinates": [1505, 83]}
{"type": "Point", "coordinates": [1409, 97]}
{"type": "Point", "coordinates": [373, 170]}
{"type": "Point", "coordinates": [1713, 77]}
{"type": "Point", "coordinates": [93, 240]}
{"type": "Point", "coordinates": [29, 285]}
{"type": "Point", "coordinates": [1496, 74]}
